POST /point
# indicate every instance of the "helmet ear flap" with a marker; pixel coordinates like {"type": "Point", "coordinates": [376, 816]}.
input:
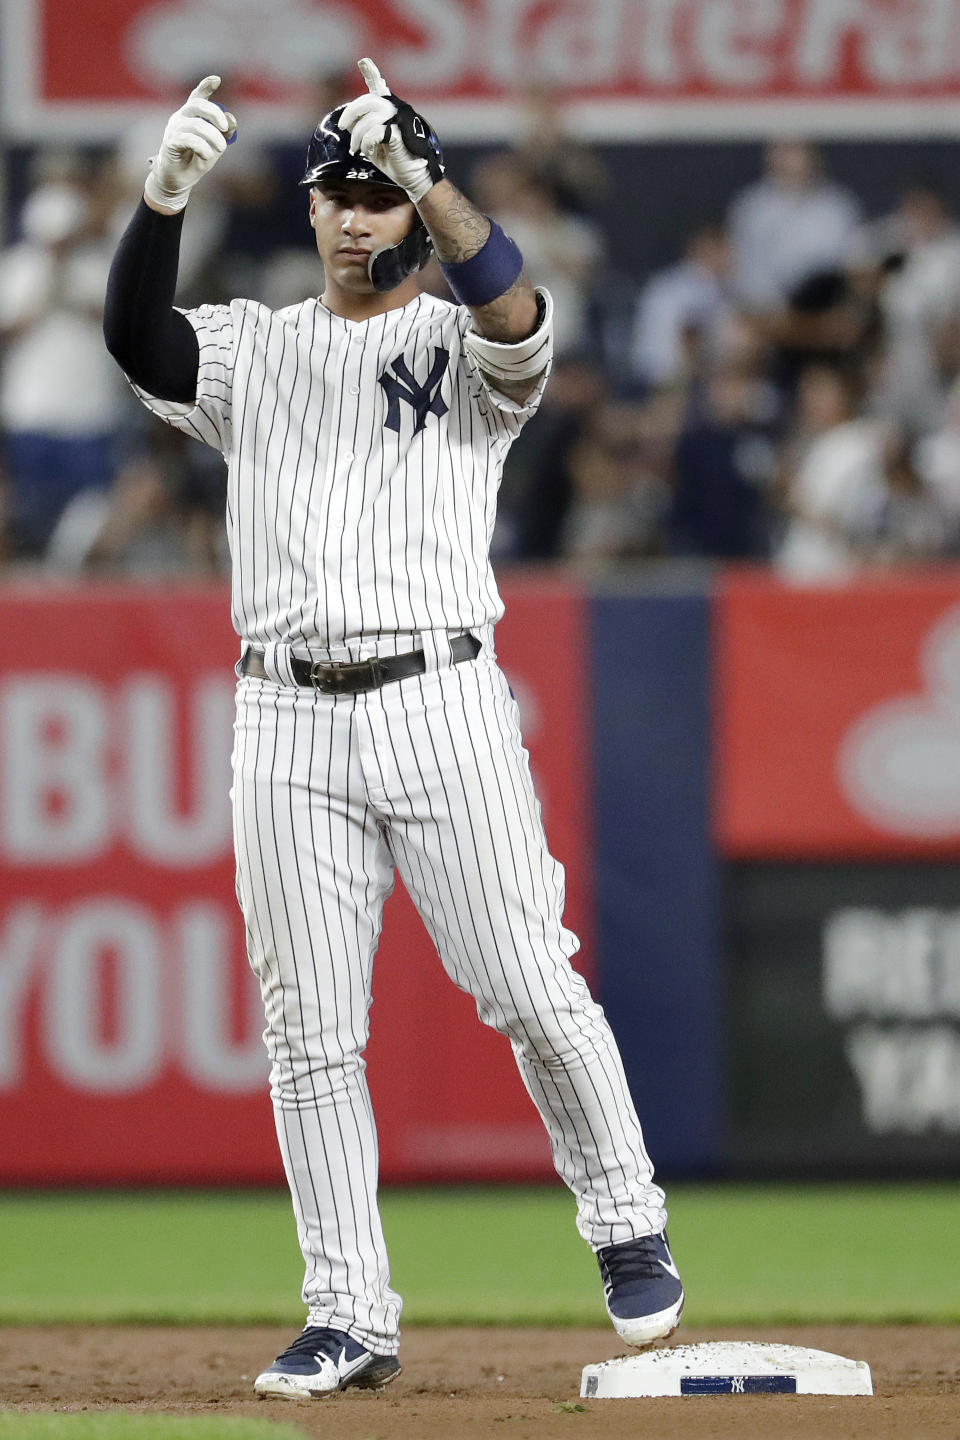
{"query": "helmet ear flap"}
{"type": "Point", "coordinates": [391, 264]}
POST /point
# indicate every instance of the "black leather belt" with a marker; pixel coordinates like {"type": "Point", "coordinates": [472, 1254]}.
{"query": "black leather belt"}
{"type": "Point", "coordinates": [348, 677]}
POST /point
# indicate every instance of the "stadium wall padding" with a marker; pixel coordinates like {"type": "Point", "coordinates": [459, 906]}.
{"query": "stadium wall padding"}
{"type": "Point", "coordinates": [755, 793]}
{"type": "Point", "coordinates": [655, 874]}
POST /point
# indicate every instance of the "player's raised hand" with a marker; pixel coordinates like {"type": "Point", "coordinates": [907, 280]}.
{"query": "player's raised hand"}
{"type": "Point", "coordinates": [392, 135]}
{"type": "Point", "coordinates": [374, 81]}
{"type": "Point", "coordinates": [195, 137]}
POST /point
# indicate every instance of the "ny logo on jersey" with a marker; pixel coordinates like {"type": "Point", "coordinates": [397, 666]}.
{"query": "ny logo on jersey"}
{"type": "Point", "coordinates": [424, 399]}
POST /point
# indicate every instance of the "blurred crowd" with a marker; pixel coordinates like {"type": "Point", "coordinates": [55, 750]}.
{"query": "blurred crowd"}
{"type": "Point", "coordinates": [786, 391]}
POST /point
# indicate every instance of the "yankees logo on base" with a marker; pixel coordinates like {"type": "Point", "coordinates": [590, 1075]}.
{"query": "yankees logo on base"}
{"type": "Point", "coordinates": [364, 433]}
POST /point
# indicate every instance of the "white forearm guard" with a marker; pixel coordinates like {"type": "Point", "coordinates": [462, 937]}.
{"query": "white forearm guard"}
{"type": "Point", "coordinates": [521, 360]}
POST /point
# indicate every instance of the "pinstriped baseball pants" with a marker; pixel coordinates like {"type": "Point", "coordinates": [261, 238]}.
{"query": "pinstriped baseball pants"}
{"type": "Point", "coordinates": [427, 776]}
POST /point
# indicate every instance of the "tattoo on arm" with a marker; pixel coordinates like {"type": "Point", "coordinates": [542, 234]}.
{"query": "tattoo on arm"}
{"type": "Point", "coordinates": [498, 319]}
{"type": "Point", "coordinates": [458, 229]}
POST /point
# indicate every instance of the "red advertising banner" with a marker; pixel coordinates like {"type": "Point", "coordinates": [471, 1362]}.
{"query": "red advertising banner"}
{"type": "Point", "coordinates": [635, 66]}
{"type": "Point", "coordinates": [130, 1024]}
{"type": "Point", "coordinates": [837, 718]}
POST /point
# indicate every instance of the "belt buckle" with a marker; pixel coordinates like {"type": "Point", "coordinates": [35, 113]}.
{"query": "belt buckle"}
{"type": "Point", "coordinates": [345, 677]}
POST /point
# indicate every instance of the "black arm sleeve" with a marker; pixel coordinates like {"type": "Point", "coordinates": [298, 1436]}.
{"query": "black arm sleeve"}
{"type": "Point", "coordinates": [153, 343]}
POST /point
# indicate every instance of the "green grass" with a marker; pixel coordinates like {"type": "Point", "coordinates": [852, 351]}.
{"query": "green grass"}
{"type": "Point", "coordinates": [126, 1425]}
{"type": "Point", "coordinates": [749, 1255]}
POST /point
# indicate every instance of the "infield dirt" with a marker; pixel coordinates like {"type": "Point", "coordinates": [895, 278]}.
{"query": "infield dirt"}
{"type": "Point", "coordinates": [471, 1383]}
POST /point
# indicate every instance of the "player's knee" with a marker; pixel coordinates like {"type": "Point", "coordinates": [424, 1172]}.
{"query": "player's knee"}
{"type": "Point", "coordinates": [295, 1084]}
{"type": "Point", "coordinates": [561, 1037]}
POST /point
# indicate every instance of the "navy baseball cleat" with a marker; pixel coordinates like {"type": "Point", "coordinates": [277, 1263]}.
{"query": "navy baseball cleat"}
{"type": "Point", "coordinates": [642, 1288]}
{"type": "Point", "coordinates": [320, 1362]}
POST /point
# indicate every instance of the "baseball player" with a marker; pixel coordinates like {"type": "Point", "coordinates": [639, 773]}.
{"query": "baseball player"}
{"type": "Point", "coordinates": [364, 433]}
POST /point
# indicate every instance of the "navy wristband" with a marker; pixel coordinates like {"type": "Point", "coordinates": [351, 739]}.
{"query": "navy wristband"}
{"type": "Point", "coordinates": [489, 273]}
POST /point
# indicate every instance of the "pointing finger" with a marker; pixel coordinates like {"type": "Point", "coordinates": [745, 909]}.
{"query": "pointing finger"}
{"type": "Point", "coordinates": [375, 81]}
{"type": "Point", "coordinates": [205, 89]}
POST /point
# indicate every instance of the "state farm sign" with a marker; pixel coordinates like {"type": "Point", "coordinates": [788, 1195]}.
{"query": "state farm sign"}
{"type": "Point", "coordinates": [628, 68]}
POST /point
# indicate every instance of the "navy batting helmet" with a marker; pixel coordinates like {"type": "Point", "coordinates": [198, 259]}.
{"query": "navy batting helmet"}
{"type": "Point", "coordinates": [329, 158]}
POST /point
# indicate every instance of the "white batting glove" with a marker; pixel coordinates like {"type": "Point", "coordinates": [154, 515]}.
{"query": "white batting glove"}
{"type": "Point", "coordinates": [196, 136]}
{"type": "Point", "coordinates": [392, 135]}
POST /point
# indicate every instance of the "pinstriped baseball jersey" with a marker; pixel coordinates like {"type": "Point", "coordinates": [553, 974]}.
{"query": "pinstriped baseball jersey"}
{"type": "Point", "coordinates": [364, 463]}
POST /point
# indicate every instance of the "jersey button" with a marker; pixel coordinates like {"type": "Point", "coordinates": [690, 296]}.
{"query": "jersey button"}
{"type": "Point", "coordinates": [354, 389]}
{"type": "Point", "coordinates": [348, 455]}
